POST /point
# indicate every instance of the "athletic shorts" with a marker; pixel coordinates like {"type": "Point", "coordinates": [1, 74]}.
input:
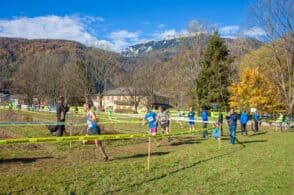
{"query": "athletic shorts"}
{"type": "Point", "coordinates": [93, 131]}
{"type": "Point", "coordinates": [191, 123]}
{"type": "Point", "coordinates": [164, 125]}
{"type": "Point", "coordinates": [204, 124]}
{"type": "Point", "coordinates": [153, 130]}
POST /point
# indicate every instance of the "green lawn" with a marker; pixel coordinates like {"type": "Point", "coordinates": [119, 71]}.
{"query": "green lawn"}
{"type": "Point", "coordinates": [262, 164]}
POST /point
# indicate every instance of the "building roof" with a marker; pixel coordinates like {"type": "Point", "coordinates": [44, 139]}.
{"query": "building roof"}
{"type": "Point", "coordinates": [3, 95]}
{"type": "Point", "coordinates": [126, 91]}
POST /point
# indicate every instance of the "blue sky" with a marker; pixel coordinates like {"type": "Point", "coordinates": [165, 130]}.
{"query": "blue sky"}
{"type": "Point", "coordinates": [117, 24]}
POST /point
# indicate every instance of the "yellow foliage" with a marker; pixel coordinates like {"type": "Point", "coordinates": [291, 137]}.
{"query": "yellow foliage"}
{"type": "Point", "coordinates": [253, 90]}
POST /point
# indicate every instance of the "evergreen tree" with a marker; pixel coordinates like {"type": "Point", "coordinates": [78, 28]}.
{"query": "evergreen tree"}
{"type": "Point", "coordinates": [214, 78]}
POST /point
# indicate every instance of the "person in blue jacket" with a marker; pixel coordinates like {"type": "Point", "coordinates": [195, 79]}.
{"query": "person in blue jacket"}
{"type": "Point", "coordinates": [243, 121]}
{"type": "Point", "coordinates": [232, 118]}
{"type": "Point", "coordinates": [256, 119]}
{"type": "Point", "coordinates": [191, 119]}
{"type": "Point", "coordinates": [204, 117]}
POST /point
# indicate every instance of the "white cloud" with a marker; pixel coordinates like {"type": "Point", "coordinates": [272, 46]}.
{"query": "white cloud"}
{"type": "Point", "coordinates": [81, 29]}
{"type": "Point", "coordinates": [52, 27]}
{"type": "Point", "coordinates": [234, 31]}
{"type": "Point", "coordinates": [166, 34]}
{"type": "Point", "coordinates": [255, 32]}
{"type": "Point", "coordinates": [124, 34]}
{"type": "Point", "coordinates": [172, 33]}
{"type": "Point", "coordinates": [123, 38]}
{"type": "Point", "coordinates": [196, 26]}
{"type": "Point", "coordinates": [229, 30]}
{"type": "Point", "coordinates": [73, 28]}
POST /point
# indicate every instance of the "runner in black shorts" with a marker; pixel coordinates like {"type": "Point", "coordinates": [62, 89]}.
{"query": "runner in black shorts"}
{"type": "Point", "coordinates": [163, 121]}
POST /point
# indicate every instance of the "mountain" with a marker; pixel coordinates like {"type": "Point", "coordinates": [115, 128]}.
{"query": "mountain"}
{"type": "Point", "coordinates": [171, 46]}
{"type": "Point", "coordinates": [143, 48]}
{"type": "Point", "coordinates": [171, 65]}
{"type": "Point", "coordinates": [169, 57]}
{"type": "Point", "coordinates": [16, 52]}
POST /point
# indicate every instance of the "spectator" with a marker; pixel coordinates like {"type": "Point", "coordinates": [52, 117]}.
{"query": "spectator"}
{"type": "Point", "coordinates": [232, 118]}
{"type": "Point", "coordinates": [220, 120]}
{"type": "Point", "coordinates": [244, 120]}
{"type": "Point", "coordinates": [256, 119]}
{"type": "Point", "coordinates": [280, 121]}
{"type": "Point", "coordinates": [191, 119]}
{"type": "Point", "coordinates": [204, 117]}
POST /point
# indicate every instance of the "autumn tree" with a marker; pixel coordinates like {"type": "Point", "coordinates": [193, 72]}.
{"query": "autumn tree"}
{"type": "Point", "coordinates": [254, 90]}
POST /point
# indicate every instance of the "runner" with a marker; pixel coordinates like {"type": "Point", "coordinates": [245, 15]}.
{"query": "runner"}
{"type": "Point", "coordinates": [61, 111]}
{"type": "Point", "coordinates": [163, 120]}
{"type": "Point", "coordinates": [93, 129]}
{"type": "Point", "coordinates": [151, 119]}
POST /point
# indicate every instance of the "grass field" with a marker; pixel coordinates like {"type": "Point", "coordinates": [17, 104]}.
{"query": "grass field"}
{"type": "Point", "coordinates": [261, 164]}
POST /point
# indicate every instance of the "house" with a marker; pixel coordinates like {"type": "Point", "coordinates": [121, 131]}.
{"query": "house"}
{"type": "Point", "coordinates": [4, 97]}
{"type": "Point", "coordinates": [14, 99]}
{"type": "Point", "coordinates": [128, 99]}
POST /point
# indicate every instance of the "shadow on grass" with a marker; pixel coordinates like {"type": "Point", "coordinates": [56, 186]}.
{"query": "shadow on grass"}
{"type": "Point", "coordinates": [23, 160]}
{"type": "Point", "coordinates": [243, 143]}
{"type": "Point", "coordinates": [183, 142]}
{"type": "Point", "coordinates": [260, 133]}
{"type": "Point", "coordinates": [254, 141]}
{"type": "Point", "coordinates": [174, 171]}
{"type": "Point", "coordinates": [141, 155]}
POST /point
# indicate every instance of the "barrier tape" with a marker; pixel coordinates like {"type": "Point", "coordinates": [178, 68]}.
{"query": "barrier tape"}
{"type": "Point", "coordinates": [8, 123]}
{"type": "Point", "coordinates": [89, 137]}
{"type": "Point", "coordinates": [104, 115]}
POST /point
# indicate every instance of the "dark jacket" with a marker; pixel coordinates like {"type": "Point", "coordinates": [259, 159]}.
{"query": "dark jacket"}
{"type": "Point", "coordinates": [232, 119]}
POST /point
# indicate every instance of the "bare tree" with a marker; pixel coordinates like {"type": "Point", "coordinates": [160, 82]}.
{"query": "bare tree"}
{"type": "Point", "coordinates": [193, 45]}
{"type": "Point", "coordinates": [99, 71]}
{"type": "Point", "coordinates": [25, 79]}
{"type": "Point", "coordinates": [49, 78]}
{"type": "Point", "coordinates": [73, 81]}
{"type": "Point", "coordinates": [133, 88]}
{"type": "Point", "coordinates": [276, 18]}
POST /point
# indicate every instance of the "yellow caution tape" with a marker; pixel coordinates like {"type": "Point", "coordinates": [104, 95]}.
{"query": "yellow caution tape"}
{"type": "Point", "coordinates": [88, 137]}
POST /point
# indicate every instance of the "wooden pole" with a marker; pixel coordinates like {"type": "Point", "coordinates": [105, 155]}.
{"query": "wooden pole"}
{"type": "Point", "coordinates": [170, 122]}
{"type": "Point", "coordinates": [149, 149]}
{"type": "Point", "coordinates": [219, 142]}
{"type": "Point", "coordinates": [70, 135]}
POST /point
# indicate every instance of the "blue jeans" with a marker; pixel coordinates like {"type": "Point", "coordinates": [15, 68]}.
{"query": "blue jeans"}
{"type": "Point", "coordinates": [232, 133]}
